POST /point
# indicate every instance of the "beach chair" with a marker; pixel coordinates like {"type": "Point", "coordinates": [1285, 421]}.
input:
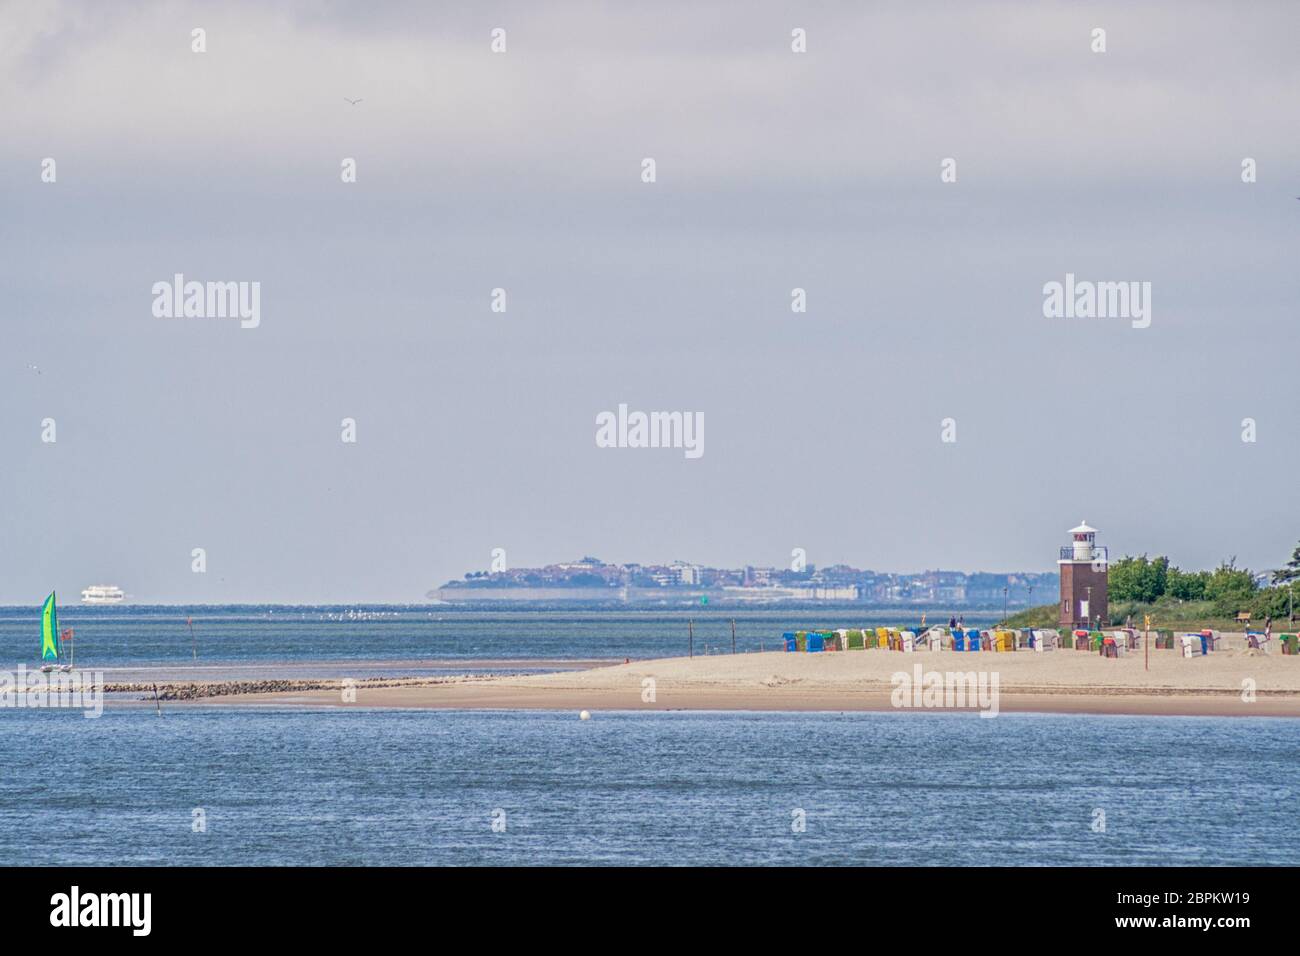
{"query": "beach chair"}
{"type": "Point", "coordinates": [958, 639]}
{"type": "Point", "coordinates": [816, 643]}
{"type": "Point", "coordinates": [882, 637]}
{"type": "Point", "coordinates": [1290, 643]}
{"type": "Point", "coordinates": [907, 641]}
{"type": "Point", "coordinates": [1258, 640]}
{"type": "Point", "coordinates": [791, 642]}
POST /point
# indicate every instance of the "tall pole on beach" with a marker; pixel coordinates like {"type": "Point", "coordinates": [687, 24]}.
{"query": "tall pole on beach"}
{"type": "Point", "coordinates": [690, 629]}
{"type": "Point", "coordinates": [733, 635]}
{"type": "Point", "coordinates": [1146, 641]}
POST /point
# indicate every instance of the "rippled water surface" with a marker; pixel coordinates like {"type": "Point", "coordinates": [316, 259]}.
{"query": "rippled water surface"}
{"type": "Point", "coordinates": [391, 787]}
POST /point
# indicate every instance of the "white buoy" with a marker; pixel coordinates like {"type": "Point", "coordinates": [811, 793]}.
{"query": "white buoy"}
{"type": "Point", "coordinates": [584, 716]}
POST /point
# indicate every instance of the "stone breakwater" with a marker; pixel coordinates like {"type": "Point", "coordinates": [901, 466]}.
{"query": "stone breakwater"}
{"type": "Point", "coordinates": [172, 690]}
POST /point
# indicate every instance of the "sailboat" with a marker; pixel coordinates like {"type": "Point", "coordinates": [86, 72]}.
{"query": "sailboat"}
{"type": "Point", "coordinates": [50, 656]}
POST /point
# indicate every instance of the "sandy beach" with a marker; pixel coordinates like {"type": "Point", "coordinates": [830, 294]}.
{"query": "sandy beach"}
{"type": "Point", "coordinates": [1063, 681]}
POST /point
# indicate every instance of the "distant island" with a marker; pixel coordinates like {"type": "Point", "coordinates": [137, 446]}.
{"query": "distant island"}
{"type": "Point", "coordinates": [595, 582]}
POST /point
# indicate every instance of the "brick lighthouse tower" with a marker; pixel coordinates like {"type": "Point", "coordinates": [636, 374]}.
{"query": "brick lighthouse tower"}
{"type": "Point", "coordinates": [1083, 580]}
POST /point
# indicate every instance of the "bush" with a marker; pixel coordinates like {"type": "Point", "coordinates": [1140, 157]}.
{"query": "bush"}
{"type": "Point", "coordinates": [1231, 588]}
{"type": "Point", "coordinates": [1138, 579]}
{"type": "Point", "coordinates": [1187, 585]}
{"type": "Point", "coordinates": [1269, 602]}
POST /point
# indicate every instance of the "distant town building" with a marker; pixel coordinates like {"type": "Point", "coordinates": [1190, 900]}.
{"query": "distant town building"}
{"type": "Point", "coordinates": [592, 580]}
{"type": "Point", "coordinates": [1084, 569]}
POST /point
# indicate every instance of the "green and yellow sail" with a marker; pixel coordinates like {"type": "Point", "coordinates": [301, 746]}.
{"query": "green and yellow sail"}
{"type": "Point", "coordinates": [49, 630]}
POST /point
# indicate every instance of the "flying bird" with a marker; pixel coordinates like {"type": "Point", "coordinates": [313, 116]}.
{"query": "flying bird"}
{"type": "Point", "coordinates": [33, 368]}
{"type": "Point", "coordinates": [353, 102]}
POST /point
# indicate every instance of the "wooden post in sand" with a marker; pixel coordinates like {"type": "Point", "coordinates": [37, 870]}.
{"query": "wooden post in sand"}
{"type": "Point", "coordinates": [1146, 641]}
{"type": "Point", "coordinates": [690, 628]}
{"type": "Point", "coordinates": [733, 635]}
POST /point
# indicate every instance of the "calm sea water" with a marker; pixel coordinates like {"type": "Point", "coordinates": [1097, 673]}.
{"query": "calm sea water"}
{"type": "Point", "coordinates": [384, 787]}
{"type": "Point", "coordinates": [415, 639]}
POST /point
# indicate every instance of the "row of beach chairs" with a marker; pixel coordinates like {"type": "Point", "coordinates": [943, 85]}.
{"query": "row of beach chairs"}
{"type": "Point", "coordinates": [933, 639]}
{"type": "Point", "coordinates": [1116, 642]}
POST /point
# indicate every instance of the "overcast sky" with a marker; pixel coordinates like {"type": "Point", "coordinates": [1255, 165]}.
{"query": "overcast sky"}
{"type": "Point", "coordinates": [522, 170]}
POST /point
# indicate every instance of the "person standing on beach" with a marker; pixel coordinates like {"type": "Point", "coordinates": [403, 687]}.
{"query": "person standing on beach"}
{"type": "Point", "coordinates": [952, 622]}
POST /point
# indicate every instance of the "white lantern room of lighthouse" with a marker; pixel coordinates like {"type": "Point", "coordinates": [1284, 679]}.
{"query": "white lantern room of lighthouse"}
{"type": "Point", "coordinates": [1085, 542]}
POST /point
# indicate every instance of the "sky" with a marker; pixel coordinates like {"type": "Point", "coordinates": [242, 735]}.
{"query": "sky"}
{"type": "Point", "coordinates": [522, 170]}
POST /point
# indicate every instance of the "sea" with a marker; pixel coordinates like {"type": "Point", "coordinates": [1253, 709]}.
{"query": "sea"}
{"type": "Point", "coordinates": [133, 642]}
{"type": "Point", "coordinates": [221, 785]}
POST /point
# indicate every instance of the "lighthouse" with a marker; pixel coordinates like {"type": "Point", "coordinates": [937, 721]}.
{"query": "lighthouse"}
{"type": "Point", "coordinates": [1083, 580]}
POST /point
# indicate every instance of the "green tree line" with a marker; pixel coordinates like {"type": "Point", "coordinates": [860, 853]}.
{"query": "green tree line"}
{"type": "Point", "coordinates": [1231, 589]}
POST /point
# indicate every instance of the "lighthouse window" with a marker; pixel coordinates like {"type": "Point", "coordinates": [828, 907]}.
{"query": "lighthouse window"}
{"type": "Point", "coordinates": [1065, 605]}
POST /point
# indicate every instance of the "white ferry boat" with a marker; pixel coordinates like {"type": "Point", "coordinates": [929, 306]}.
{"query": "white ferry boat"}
{"type": "Point", "coordinates": [103, 594]}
